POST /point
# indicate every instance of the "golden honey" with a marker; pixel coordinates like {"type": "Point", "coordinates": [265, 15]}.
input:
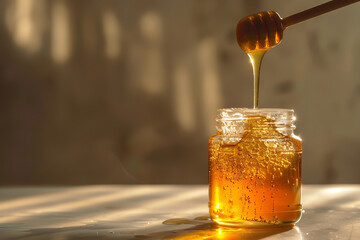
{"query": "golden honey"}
{"type": "Point", "coordinates": [255, 168]}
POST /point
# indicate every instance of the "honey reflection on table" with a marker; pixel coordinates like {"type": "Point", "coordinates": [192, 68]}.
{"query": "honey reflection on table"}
{"type": "Point", "coordinates": [209, 230]}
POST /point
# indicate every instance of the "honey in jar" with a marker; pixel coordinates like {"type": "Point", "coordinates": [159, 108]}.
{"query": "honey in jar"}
{"type": "Point", "coordinates": [255, 168]}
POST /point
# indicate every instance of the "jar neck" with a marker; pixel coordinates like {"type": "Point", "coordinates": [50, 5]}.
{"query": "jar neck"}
{"type": "Point", "coordinates": [263, 121]}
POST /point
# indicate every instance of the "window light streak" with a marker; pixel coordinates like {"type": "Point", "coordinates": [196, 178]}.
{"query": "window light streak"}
{"type": "Point", "coordinates": [152, 67]}
{"type": "Point", "coordinates": [151, 27]}
{"type": "Point", "coordinates": [174, 200]}
{"type": "Point", "coordinates": [112, 33]}
{"type": "Point", "coordinates": [328, 194]}
{"type": "Point", "coordinates": [336, 190]}
{"type": "Point", "coordinates": [80, 204]}
{"type": "Point", "coordinates": [25, 22]}
{"type": "Point", "coordinates": [60, 35]}
{"type": "Point", "coordinates": [351, 205]}
{"type": "Point", "coordinates": [45, 198]}
{"type": "Point", "coordinates": [210, 86]}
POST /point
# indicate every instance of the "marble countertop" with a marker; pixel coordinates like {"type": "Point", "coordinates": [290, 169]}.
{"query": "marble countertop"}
{"type": "Point", "coordinates": [161, 212]}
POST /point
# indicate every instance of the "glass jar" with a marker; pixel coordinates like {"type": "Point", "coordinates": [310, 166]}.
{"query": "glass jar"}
{"type": "Point", "coordinates": [255, 168]}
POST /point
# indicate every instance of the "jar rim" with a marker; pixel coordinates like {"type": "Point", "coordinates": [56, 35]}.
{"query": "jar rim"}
{"type": "Point", "coordinates": [232, 121]}
{"type": "Point", "coordinates": [230, 114]}
{"type": "Point", "coordinates": [256, 110]}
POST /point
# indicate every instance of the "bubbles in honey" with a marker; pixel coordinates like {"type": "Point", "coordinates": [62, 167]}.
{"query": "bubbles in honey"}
{"type": "Point", "coordinates": [257, 175]}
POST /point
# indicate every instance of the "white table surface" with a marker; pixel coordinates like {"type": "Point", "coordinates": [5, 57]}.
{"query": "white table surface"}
{"type": "Point", "coordinates": [139, 212]}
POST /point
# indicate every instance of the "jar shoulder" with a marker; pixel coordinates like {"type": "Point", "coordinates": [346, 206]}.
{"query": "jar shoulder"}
{"type": "Point", "coordinates": [297, 141]}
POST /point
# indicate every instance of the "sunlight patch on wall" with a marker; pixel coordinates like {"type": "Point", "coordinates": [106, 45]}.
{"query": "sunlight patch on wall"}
{"type": "Point", "coordinates": [25, 21]}
{"type": "Point", "coordinates": [112, 33]}
{"type": "Point", "coordinates": [152, 68]}
{"type": "Point", "coordinates": [60, 35]}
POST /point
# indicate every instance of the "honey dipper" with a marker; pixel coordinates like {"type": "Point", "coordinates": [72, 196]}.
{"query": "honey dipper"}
{"type": "Point", "coordinates": [264, 30]}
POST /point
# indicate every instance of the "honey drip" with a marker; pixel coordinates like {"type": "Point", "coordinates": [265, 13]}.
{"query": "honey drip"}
{"type": "Point", "coordinates": [256, 59]}
{"type": "Point", "coordinates": [257, 180]}
{"type": "Point", "coordinates": [255, 35]}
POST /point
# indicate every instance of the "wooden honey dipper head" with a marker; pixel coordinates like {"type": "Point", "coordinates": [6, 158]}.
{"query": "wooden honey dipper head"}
{"type": "Point", "coordinates": [259, 32]}
{"type": "Point", "coordinates": [264, 30]}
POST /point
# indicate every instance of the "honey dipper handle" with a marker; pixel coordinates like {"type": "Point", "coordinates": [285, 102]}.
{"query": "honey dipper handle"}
{"type": "Point", "coordinates": [315, 11]}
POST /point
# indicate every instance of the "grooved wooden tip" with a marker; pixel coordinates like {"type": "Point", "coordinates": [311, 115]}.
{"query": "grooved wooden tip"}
{"type": "Point", "coordinates": [259, 32]}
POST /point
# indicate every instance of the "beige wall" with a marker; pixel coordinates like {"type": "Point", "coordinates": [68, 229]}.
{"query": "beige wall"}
{"type": "Point", "coordinates": [127, 91]}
